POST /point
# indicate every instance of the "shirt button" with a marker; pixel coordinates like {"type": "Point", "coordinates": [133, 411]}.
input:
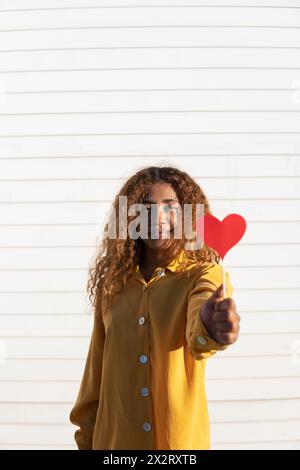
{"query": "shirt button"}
{"type": "Point", "coordinates": [144, 391]}
{"type": "Point", "coordinates": [143, 358]}
{"type": "Point", "coordinates": [201, 340]}
{"type": "Point", "coordinates": [146, 426]}
{"type": "Point", "coordinates": [142, 320]}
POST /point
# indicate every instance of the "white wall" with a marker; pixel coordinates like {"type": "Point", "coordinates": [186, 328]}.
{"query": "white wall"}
{"type": "Point", "coordinates": [93, 93]}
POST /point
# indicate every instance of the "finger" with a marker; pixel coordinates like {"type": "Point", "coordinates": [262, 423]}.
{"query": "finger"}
{"type": "Point", "coordinates": [226, 338]}
{"type": "Point", "coordinates": [227, 327]}
{"type": "Point", "coordinates": [225, 315]}
{"type": "Point", "coordinates": [228, 303]}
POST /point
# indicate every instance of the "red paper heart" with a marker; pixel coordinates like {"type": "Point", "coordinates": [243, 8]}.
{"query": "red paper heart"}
{"type": "Point", "coordinates": [223, 235]}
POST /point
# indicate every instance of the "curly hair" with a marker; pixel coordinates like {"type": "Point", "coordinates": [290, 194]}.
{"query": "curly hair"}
{"type": "Point", "coordinates": [117, 258]}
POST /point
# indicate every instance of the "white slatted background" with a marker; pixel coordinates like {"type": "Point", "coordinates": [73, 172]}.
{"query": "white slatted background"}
{"type": "Point", "coordinates": [91, 91]}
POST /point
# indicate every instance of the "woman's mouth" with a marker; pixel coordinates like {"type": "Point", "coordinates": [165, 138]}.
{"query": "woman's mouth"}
{"type": "Point", "coordinates": [160, 231]}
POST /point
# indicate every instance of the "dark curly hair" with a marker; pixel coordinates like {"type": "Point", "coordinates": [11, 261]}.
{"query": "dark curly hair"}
{"type": "Point", "coordinates": [116, 258]}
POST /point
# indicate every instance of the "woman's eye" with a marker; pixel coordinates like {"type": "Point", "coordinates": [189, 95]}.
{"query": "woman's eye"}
{"type": "Point", "coordinates": [165, 207]}
{"type": "Point", "coordinates": [175, 207]}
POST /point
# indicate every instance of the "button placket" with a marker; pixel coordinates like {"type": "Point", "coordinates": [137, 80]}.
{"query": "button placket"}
{"type": "Point", "coordinates": [144, 360]}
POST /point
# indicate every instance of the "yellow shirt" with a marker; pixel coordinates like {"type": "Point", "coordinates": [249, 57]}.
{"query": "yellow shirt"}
{"type": "Point", "coordinates": [143, 381]}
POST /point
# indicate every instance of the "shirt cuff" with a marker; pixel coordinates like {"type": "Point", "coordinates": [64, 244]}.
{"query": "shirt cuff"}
{"type": "Point", "coordinates": [201, 345]}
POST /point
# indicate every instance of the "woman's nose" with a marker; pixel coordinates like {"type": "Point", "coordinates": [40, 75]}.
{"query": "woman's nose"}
{"type": "Point", "coordinates": [159, 216]}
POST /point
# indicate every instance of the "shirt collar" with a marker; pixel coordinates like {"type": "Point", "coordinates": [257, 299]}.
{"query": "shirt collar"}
{"type": "Point", "coordinates": [174, 264]}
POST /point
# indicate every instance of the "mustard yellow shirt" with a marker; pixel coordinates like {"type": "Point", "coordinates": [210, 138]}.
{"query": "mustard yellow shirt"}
{"type": "Point", "coordinates": [143, 385]}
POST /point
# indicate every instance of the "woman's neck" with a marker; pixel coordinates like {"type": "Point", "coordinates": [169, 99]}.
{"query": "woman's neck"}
{"type": "Point", "coordinates": [154, 258]}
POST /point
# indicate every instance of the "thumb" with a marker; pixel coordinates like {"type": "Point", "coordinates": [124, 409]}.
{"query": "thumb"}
{"type": "Point", "coordinates": [216, 296]}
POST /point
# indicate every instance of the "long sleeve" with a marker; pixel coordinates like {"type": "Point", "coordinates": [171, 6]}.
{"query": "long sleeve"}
{"type": "Point", "coordinates": [200, 344]}
{"type": "Point", "coordinates": [84, 412]}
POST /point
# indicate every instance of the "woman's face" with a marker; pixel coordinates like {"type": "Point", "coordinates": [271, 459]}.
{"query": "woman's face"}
{"type": "Point", "coordinates": [164, 219]}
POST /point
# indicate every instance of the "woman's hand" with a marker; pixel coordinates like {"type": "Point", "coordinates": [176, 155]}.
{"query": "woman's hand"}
{"type": "Point", "coordinates": [220, 317]}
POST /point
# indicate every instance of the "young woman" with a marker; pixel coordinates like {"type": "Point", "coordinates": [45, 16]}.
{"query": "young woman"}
{"type": "Point", "coordinates": [159, 313]}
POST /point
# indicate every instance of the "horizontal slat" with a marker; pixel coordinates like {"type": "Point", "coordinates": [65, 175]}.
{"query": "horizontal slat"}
{"type": "Point", "coordinates": [136, 145]}
{"type": "Point", "coordinates": [253, 410]}
{"type": "Point", "coordinates": [122, 100]}
{"type": "Point", "coordinates": [268, 300]}
{"type": "Point", "coordinates": [219, 368]}
{"type": "Point", "coordinates": [40, 370]}
{"type": "Point", "coordinates": [266, 345]}
{"type": "Point", "coordinates": [39, 392]}
{"type": "Point", "coordinates": [165, 122]}
{"type": "Point", "coordinates": [49, 348]}
{"type": "Point", "coordinates": [150, 79]}
{"type": "Point", "coordinates": [70, 257]}
{"type": "Point", "coordinates": [222, 367]}
{"type": "Point", "coordinates": [243, 187]}
{"type": "Point", "coordinates": [155, 37]}
{"type": "Point", "coordinates": [148, 17]}
{"type": "Point", "coordinates": [201, 167]}
{"type": "Point", "coordinates": [245, 432]}
{"type": "Point", "coordinates": [52, 280]}
{"type": "Point", "coordinates": [265, 277]}
{"type": "Point", "coordinates": [18, 5]}
{"type": "Point", "coordinates": [62, 325]}
{"type": "Point", "coordinates": [40, 434]}
{"type": "Point", "coordinates": [57, 303]}
{"type": "Point", "coordinates": [35, 413]}
{"type": "Point", "coordinates": [51, 235]}
{"type": "Point", "coordinates": [249, 389]}
{"type": "Point", "coordinates": [59, 280]}
{"type": "Point", "coordinates": [261, 322]}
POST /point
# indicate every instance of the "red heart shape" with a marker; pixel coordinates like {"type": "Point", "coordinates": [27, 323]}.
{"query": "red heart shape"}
{"type": "Point", "coordinates": [223, 235]}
